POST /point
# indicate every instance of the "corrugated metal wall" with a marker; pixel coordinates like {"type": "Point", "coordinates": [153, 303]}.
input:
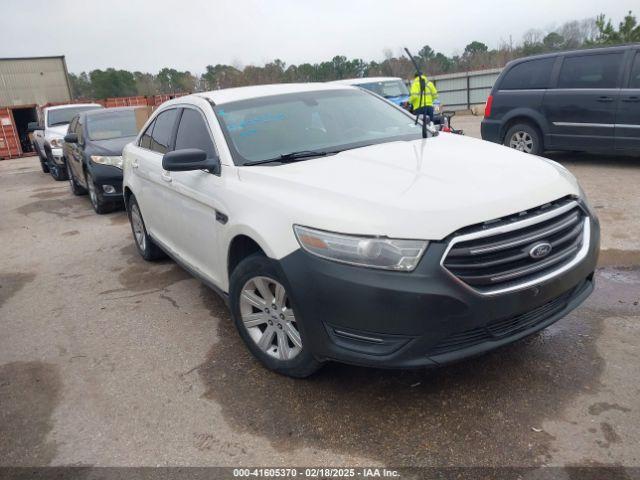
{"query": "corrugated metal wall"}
{"type": "Point", "coordinates": [462, 91]}
{"type": "Point", "coordinates": [25, 81]}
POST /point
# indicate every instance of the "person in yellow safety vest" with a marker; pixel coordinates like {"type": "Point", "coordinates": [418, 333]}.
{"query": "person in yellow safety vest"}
{"type": "Point", "coordinates": [422, 104]}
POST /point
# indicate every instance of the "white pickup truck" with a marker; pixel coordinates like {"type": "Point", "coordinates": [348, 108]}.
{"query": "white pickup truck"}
{"type": "Point", "coordinates": [48, 136]}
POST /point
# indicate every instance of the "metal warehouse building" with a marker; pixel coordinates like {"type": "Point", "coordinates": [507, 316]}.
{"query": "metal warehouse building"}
{"type": "Point", "coordinates": [25, 84]}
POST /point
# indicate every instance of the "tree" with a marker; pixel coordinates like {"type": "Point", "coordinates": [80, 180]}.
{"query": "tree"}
{"type": "Point", "coordinates": [475, 47]}
{"type": "Point", "coordinates": [112, 83]}
{"type": "Point", "coordinates": [426, 53]}
{"type": "Point", "coordinates": [145, 83]}
{"type": "Point", "coordinates": [628, 31]}
{"type": "Point", "coordinates": [80, 85]}
{"type": "Point", "coordinates": [553, 41]}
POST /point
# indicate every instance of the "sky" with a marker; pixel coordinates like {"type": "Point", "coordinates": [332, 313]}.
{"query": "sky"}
{"type": "Point", "coordinates": [190, 34]}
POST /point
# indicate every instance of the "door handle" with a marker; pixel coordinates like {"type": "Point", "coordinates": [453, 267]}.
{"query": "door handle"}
{"type": "Point", "coordinates": [134, 163]}
{"type": "Point", "coordinates": [166, 176]}
{"type": "Point", "coordinates": [631, 99]}
{"type": "Point", "coordinates": [605, 99]}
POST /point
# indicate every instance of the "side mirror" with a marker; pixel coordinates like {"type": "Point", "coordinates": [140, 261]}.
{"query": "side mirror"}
{"type": "Point", "coordinates": [189, 159]}
{"type": "Point", "coordinates": [71, 138]}
{"type": "Point", "coordinates": [33, 126]}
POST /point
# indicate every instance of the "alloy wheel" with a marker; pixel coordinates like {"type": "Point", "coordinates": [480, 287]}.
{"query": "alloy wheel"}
{"type": "Point", "coordinates": [92, 191]}
{"type": "Point", "coordinates": [522, 142]}
{"type": "Point", "coordinates": [269, 319]}
{"type": "Point", "coordinates": [138, 227]}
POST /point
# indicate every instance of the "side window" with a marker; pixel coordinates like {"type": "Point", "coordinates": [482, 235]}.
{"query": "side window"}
{"type": "Point", "coordinates": [534, 74]}
{"type": "Point", "coordinates": [161, 135]}
{"type": "Point", "coordinates": [72, 125]}
{"type": "Point", "coordinates": [634, 82]}
{"type": "Point", "coordinates": [591, 71]}
{"type": "Point", "coordinates": [145, 140]}
{"type": "Point", "coordinates": [79, 132]}
{"type": "Point", "coordinates": [193, 133]}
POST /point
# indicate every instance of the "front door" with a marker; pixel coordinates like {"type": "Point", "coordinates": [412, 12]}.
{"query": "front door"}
{"type": "Point", "coordinates": [197, 200]}
{"type": "Point", "coordinates": [628, 117]}
{"type": "Point", "coordinates": [155, 191]}
{"type": "Point", "coordinates": [75, 152]}
{"type": "Point", "coordinates": [581, 108]}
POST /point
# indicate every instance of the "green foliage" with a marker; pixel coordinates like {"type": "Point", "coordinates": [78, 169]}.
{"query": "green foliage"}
{"type": "Point", "coordinates": [112, 83]}
{"type": "Point", "coordinates": [628, 31]}
{"type": "Point", "coordinates": [476, 55]}
{"type": "Point", "coordinates": [475, 47]}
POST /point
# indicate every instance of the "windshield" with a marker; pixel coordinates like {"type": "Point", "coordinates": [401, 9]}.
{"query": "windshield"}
{"type": "Point", "coordinates": [323, 121]}
{"type": "Point", "coordinates": [62, 116]}
{"type": "Point", "coordinates": [108, 125]}
{"type": "Point", "coordinates": [387, 89]}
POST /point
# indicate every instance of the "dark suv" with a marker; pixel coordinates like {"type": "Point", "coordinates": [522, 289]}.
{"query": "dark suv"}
{"type": "Point", "coordinates": [585, 100]}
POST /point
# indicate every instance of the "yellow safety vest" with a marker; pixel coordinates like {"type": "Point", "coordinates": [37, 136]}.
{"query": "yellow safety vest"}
{"type": "Point", "coordinates": [430, 93]}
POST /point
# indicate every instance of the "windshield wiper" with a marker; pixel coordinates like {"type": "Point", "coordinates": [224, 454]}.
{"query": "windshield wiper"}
{"type": "Point", "coordinates": [292, 157]}
{"type": "Point", "coordinates": [58, 123]}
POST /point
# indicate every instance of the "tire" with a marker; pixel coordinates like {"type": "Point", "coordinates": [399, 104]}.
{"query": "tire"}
{"type": "Point", "coordinates": [74, 186]}
{"type": "Point", "coordinates": [99, 204]}
{"type": "Point", "coordinates": [145, 245]}
{"type": "Point", "coordinates": [275, 335]}
{"type": "Point", "coordinates": [43, 160]}
{"type": "Point", "coordinates": [525, 138]}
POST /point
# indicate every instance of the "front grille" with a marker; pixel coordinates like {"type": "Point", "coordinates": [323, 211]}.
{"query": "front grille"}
{"type": "Point", "coordinates": [496, 256]}
{"type": "Point", "coordinates": [503, 328]}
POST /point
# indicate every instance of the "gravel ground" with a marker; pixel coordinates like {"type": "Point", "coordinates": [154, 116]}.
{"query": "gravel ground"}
{"type": "Point", "coordinates": [108, 360]}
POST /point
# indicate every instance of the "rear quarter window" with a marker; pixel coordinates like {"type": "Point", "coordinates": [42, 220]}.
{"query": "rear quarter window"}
{"type": "Point", "coordinates": [591, 71]}
{"type": "Point", "coordinates": [532, 74]}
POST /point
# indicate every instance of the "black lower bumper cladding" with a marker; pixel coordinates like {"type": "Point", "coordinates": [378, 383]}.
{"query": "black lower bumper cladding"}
{"type": "Point", "coordinates": [423, 318]}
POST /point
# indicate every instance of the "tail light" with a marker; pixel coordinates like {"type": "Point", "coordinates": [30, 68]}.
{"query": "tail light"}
{"type": "Point", "coordinates": [487, 107]}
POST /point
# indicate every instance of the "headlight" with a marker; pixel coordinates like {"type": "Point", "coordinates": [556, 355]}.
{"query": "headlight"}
{"type": "Point", "coordinates": [375, 252]}
{"type": "Point", "coordinates": [112, 161]}
{"type": "Point", "coordinates": [56, 142]}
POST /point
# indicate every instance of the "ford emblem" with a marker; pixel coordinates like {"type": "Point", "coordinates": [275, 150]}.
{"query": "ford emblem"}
{"type": "Point", "coordinates": [540, 250]}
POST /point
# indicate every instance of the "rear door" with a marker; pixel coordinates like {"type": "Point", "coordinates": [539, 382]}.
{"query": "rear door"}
{"type": "Point", "coordinates": [154, 192]}
{"type": "Point", "coordinates": [73, 151]}
{"type": "Point", "coordinates": [581, 108]}
{"type": "Point", "coordinates": [198, 195]}
{"type": "Point", "coordinates": [628, 117]}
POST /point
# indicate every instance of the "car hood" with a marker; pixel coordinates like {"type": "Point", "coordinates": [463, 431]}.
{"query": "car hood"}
{"type": "Point", "coordinates": [423, 189]}
{"type": "Point", "coordinates": [57, 131]}
{"type": "Point", "coordinates": [112, 146]}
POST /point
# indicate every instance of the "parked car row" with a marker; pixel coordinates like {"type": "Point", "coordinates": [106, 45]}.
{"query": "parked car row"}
{"type": "Point", "coordinates": [338, 229]}
{"type": "Point", "coordinates": [83, 143]}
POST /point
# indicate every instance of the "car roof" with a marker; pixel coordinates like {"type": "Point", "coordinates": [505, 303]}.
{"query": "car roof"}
{"type": "Point", "coordinates": [74, 105]}
{"type": "Point", "coordinates": [105, 111]}
{"type": "Point", "coordinates": [615, 48]}
{"type": "Point", "coordinates": [362, 80]}
{"type": "Point", "coordinates": [227, 95]}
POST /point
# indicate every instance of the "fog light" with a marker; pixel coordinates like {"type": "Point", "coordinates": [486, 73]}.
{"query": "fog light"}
{"type": "Point", "coordinates": [108, 189]}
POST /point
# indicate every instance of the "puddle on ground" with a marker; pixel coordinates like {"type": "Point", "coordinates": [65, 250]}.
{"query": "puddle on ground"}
{"type": "Point", "coordinates": [140, 275]}
{"type": "Point", "coordinates": [29, 394]}
{"type": "Point", "coordinates": [49, 194]}
{"type": "Point", "coordinates": [11, 283]}
{"type": "Point", "coordinates": [619, 258]}
{"type": "Point", "coordinates": [118, 218]}
{"type": "Point", "coordinates": [60, 207]}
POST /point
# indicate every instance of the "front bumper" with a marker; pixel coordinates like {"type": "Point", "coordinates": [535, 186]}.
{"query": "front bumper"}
{"type": "Point", "coordinates": [107, 176]}
{"type": "Point", "coordinates": [54, 155]}
{"type": "Point", "coordinates": [423, 318]}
